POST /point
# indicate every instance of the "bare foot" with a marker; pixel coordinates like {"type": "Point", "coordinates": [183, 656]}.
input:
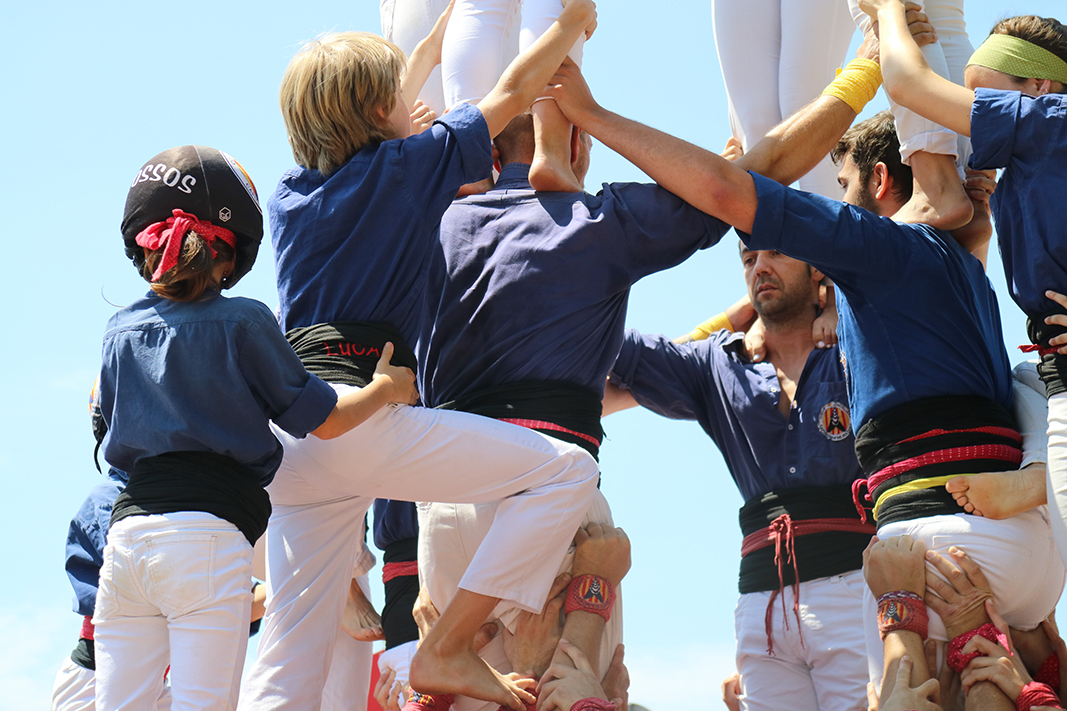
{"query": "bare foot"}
{"type": "Point", "coordinates": [1000, 494]}
{"type": "Point", "coordinates": [549, 176]}
{"type": "Point", "coordinates": [361, 622]}
{"type": "Point", "coordinates": [938, 193]}
{"type": "Point", "coordinates": [466, 673]}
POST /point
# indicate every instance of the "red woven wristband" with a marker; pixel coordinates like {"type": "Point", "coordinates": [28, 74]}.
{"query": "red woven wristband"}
{"type": "Point", "coordinates": [902, 610]}
{"type": "Point", "coordinates": [426, 702]}
{"type": "Point", "coordinates": [593, 704]}
{"type": "Point", "coordinates": [957, 660]}
{"type": "Point", "coordinates": [590, 593]}
{"type": "Point", "coordinates": [1036, 694]}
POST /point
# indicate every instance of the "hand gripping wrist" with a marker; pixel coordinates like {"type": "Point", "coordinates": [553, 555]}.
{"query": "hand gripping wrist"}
{"type": "Point", "coordinates": [957, 660]}
{"type": "Point", "coordinates": [590, 593]}
{"type": "Point", "coordinates": [856, 84]}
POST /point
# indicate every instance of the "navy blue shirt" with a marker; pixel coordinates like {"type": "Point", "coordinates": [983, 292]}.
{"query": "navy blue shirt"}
{"type": "Point", "coordinates": [355, 246]}
{"type": "Point", "coordinates": [1027, 136]}
{"type": "Point", "coordinates": [736, 403]}
{"type": "Point", "coordinates": [205, 376]}
{"type": "Point", "coordinates": [918, 317]}
{"type": "Point", "coordinates": [86, 538]}
{"type": "Point", "coordinates": [533, 286]}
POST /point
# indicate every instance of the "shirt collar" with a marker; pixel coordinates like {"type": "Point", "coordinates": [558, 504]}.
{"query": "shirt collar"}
{"type": "Point", "coordinates": [514, 176]}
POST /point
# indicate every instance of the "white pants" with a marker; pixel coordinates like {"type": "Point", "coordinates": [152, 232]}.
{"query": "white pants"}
{"type": "Point", "coordinates": [480, 43]}
{"type": "Point", "coordinates": [324, 488]}
{"type": "Point", "coordinates": [174, 589]}
{"type": "Point", "coordinates": [1016, 554]}
{"type": "Point", "coordinates": [1056, 484]}
{"type": "Point", "coordinates": [776, 57]}
{"type": "Point", "coordinates": [408, 22]}
{"type": "Point", "coordinates": [948, 57]}
{"type": "Point", "coordinates": [449, 533]}
{"type": "Point", "coordinates": [828, 672]}
{"type": "Point", "coordinates": [348, 681]}
{"type": "Point", "coordinates": [75, 690]}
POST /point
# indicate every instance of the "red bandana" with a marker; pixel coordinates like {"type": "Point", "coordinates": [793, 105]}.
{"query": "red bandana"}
{"type": "Point", "coordinates": [169, 235]}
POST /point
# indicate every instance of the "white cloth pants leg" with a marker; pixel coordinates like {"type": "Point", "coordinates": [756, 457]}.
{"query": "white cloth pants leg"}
{"type": "Point", "coordinates": [1017, 555]}
{"type": "Point", "coordinates": [405, 23]}
{"type": "Point", "coordinates": [1056, 484]}
{"type": "Point", "coordinates": [794, 49]}
{"type": "Point", "coordinates": [75, 690]}
{"type": "Point", "coordinates": [948, 57]}
{"type": "Point", "coordinates": [448, 536]}
{"type": "Point", "coordinates": [174, 589]}
{"type": "Point", "coordinates": [324, 488]}
{"type": "Point", "coordinates": [348, 681]}
{"type": "Point", "coordinates": [828, 672]}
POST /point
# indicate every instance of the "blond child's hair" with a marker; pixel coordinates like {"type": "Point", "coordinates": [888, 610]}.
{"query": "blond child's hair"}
{"type": "Point", "coordinates": [335, 94]}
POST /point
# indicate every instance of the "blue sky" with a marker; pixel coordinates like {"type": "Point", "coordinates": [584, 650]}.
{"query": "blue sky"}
{"type": "Point", "coordinates": [94, 90]}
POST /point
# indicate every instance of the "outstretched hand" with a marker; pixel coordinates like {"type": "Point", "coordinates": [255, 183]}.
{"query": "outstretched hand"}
{"type": "Point", "coordinates": [903, 697]}
{"type": "Point", "coordinates": [571, 92]}
{"type": "Point", "coordinates": [959, 597]}
{"type": "Point", "coordinates": [569, 682]}
{"type": "Point", "coordinates": [895, 564]}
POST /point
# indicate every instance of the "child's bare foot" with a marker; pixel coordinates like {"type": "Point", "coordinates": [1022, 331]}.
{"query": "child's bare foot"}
{"type": "Point", "coordinates": [464, 672]}
{"type": "Point", "coordinates": [938, 192]}
{"type": "Point", "coordinates": [361, 622]}
{"type": "Point", "coordinates": [1000, 494]}
{"type": "Point", "coordinates": [551, 168]}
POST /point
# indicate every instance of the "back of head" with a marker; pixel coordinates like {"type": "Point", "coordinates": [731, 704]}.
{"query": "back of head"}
{"type": "Point", "coordinates": [332, 92]}
{"type": "Point", "coordinates": [871, 142]}
{"type": "Point", "coordinates": [516, 142]}
{"type": "Point", "coordinates": [189, 208]}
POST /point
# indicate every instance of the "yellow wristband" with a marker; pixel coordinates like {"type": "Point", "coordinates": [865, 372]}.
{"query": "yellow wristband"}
{"type": "Point", "coordinates": [713, 324]}
{"type": "Point", "coordinates": [856, 84]}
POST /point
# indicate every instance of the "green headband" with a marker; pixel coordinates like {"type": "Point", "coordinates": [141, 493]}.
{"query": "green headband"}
{"type": "Point", "coordinates": [1019, 58]}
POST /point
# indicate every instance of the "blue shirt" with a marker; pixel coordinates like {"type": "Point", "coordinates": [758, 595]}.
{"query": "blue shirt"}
{"type": "Point", "coordinates": [1028, 137]}
{"type": "Point", "coordinates": [533, 286]}
{"type": "Point", "coordinates": [205, 376]}
{"type": "Point", "coordinates": [86, 538]}
{"type": "Point", "coordinates": [355, 246]}
{"type": "Point", "coordinates": [918, 317]}
{"type": "Point", "coordinates": [736, 403]}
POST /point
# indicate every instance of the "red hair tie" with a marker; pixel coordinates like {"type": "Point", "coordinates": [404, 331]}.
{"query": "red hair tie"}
{"type": "Point", "coordinates": [169, 235]}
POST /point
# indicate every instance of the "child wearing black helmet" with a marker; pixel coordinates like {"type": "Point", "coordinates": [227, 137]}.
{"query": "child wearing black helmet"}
{"type": "Point", "coordinates": [189, 385]}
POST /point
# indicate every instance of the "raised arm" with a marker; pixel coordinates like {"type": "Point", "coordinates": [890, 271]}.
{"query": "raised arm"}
{"type": "Point", "coordinates": [425, 56]}
{"type": "Point", "coordinates": [525, 78]}
{"type": "Point", "coordinates": [705, 180]}
{"type": "Point", "coordinates": [909, 80]}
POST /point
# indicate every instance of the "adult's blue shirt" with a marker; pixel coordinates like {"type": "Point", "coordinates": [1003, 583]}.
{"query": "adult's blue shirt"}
{"type": "Point", "coordinates": [533, 286]}
{"type": "Point", "coordinates": [918, 317]}
{"type": "Point", "coordinates": [356, 245]}
{"type": "Point", "coordinates": [736, 403]}
{"type": "Point", "coordinates": [204, 376]}
{"type": "Point", "coordinates": [1027, 136]}
{"type": "Point", "coordinates": [87, 537]}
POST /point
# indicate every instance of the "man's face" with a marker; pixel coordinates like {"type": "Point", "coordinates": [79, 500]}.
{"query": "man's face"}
{"type": "Point", "coordinates": [781, 288]}
{"type": "Point", "coordinates": [857, 192]}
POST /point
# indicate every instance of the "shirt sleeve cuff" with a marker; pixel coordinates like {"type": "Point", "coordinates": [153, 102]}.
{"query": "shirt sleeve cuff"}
{"type": "Point", "coordinates": [993, 116]}
{"type": "Point", "coordinates": [310, 409]}
{"type": "Point", "coordinates": [468, 127]}
{"type": "Point", "coordinates": [770, 215]}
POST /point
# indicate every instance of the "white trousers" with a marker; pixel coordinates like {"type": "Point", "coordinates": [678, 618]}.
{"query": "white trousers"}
{"type": "Point", "coordinates": [75, 690]}
{"type": "Point", "coordinates": [480, 43]}
{"type": "Point", "coordinates": [449, 533]}
{"type": "Point", "coordinates": [948, 57]}
{"type": "Point", "coordinates": [828, 671]}
{"type": "Point", "coordinates": [776, 57]}
{"type": "Point", "coordinates": [174, 589]}
{"type": "Point", "coordinates": [324, 488]}
{"type": "Point", "coordinates": [1017, 555]}
{"type": "Point", "coordinates": [348, 681]}
{"type": "Point", "coordinates": [406, 23]}
{"type": "Point", "coordinates": [1056, 484]}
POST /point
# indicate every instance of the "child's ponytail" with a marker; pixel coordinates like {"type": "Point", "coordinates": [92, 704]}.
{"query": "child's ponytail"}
{"type": "Point", "coordinates": [181, 254]}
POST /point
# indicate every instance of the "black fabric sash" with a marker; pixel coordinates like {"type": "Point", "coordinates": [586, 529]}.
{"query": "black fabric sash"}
{"type": "Point", "coordinates": [196, 481]}
{"type": "Point", "coordinates": [880, 443]}
{"type": "Point", "coordinates": [401, 594]}
{"type": "Point", "coordinates": [563, 404]}
{"type": "Point", "coordinates": [347, 351]}
{"type": "Point", "coordinates": [84, 654]}
{"type": "Point", "coordinates": [819, 555]}
{"type": "Point", "coordinates": [1053, 366]}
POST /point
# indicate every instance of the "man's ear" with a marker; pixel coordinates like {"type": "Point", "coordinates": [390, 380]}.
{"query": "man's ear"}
{"type": "Point", "coordinates": [1043, 86]}
{"type": "Point", "coordinates": [817, 276]}
{"type": "Point", "coordinates": [880, 181]}
{"type": "Point", "coordinates": [576, 142]}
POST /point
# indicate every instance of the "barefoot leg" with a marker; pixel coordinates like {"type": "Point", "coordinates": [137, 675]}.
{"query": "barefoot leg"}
{"type": "Point", "coordinates": [361, 621]}
{"type": "Point", "coordinates": [446, 662]}
{"type": "Point", "coordinates": [551, 168]}
{"type": "Point", "coordinates": [939, 191]}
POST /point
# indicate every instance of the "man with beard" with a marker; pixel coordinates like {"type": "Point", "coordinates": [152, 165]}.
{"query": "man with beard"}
{"type": "Point", "coordinates": [783, 426]}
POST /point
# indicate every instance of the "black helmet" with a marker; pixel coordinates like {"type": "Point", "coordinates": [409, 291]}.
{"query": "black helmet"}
{"type": "Point", "coordinates": [201, 181]}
